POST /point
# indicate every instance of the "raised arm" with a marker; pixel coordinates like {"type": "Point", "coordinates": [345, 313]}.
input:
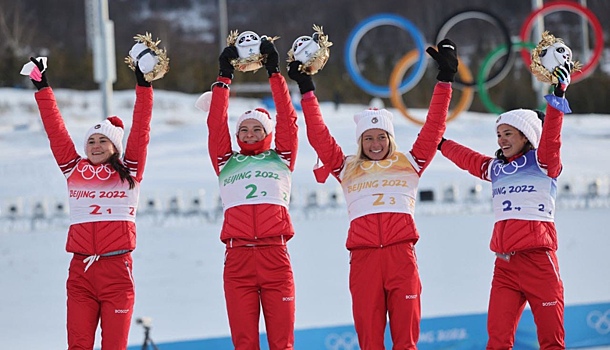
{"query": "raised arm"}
{"type": "Point", "coordinates": [431, 133]}
{"type": "Point", "coordinates": [286, 129]}
{"type": "Point", "coordinates": [139, 135]}
{"type": "Point", "coordinates": [550, 141]}
{"type": "Point", "coordinates": [318, 135]}
{"type": "Point", "coordinates": [61, 143]}
{"type": "Point", "coordinates": [219, 137]}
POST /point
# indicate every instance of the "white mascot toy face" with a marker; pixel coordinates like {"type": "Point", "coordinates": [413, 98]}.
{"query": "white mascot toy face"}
{"type": "Point", "coordinates": [248, 43]}
{"type": "Point", "coordinates": [145, 57]}
{"type": "Point", "coordinates": [555, 55]}
{"type": "Point", "coordinates": [304, 47]}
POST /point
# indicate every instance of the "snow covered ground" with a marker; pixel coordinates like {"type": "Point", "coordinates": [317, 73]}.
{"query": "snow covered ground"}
{"type": "Point", "coordinates": [178, 262]}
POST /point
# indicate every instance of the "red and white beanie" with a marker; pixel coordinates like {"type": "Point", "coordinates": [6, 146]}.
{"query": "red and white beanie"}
{"type": "Point", "coordinates": [524, 120]}
{"type": "Point", "coordinates": [373, 118]}
{"type": "Point", "coordinates": [259, 114]}
{"type": "Point", "coordinates": [112, 128]}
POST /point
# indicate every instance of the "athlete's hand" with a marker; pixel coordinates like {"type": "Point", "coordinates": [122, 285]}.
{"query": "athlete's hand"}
{"type": "Point", "coordinates": [563, 76]}
{"type": "Point", "coordinates": [38, 76]}
{"type": "Point", "coordinates": [272, 57]}
{"type": "Point", "coordinates": [446, 58]}
{"type": "Point", "coordinates": [304, 81]}
{"type": "Point", "coordinates": [224, 61]}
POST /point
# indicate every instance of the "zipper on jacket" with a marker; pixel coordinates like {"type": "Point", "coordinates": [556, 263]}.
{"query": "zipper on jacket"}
{"type": "Point", "coordinates": [254, 220]}
{"type": "Point", "coordinates": [500, 238]}
{"type": "Point", "coordinates": [94, 224]}
{"type": "Point", "coordinates": [379, 230]}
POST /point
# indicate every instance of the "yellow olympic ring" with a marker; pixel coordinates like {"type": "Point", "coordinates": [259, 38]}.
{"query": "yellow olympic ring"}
{"type": "Point", "coordinates": [401, 68]}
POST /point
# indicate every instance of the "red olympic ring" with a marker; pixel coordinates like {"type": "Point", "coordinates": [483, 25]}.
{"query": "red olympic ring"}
{"type": "Point", "coordinates": [572, 7]}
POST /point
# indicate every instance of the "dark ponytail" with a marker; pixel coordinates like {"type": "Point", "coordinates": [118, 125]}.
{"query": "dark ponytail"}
{"type": "Point", "coordinates": [123, 171]}
{"type": "Point", "coordinates": [501, 156]}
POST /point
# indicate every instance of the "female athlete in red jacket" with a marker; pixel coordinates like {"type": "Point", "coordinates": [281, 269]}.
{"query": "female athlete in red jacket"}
{"type": "Point", "coordinates": [103, 190]}
{"type": "Point", "coordinates": [255, 187]}
{"type": "Point", "coordinates": [380, 188]}
{"type": "Point", "coordinates": [524, 181]}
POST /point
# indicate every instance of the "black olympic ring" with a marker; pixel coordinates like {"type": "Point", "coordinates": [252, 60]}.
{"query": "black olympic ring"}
{"type": "Point", "coordinates": [507, 61]}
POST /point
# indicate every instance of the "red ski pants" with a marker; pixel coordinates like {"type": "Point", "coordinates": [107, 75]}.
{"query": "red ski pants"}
{"type": "Point", "coordinates": [105, 292]}
{"type": "Point", "coordinates": [254, 277]}
{"type": "Point", "coordinates": [385, 281]}
{"type": "Point", "coordinates": [531, 276]}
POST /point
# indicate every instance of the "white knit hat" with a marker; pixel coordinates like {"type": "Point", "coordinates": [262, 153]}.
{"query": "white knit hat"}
{"type": "Point", "coordinates": [259, 114]}
{"type": "Point", "coordinates": [526, 121]}
{"type": "Point", "coordinates": [112, 128]}
{"type": "Point", "coordinates": [373, 118]}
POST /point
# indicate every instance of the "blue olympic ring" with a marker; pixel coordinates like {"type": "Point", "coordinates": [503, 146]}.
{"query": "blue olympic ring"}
{"type": "Point", "coordinates": [354, 39]}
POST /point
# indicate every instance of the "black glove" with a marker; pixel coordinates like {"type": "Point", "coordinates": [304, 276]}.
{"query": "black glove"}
{"type": "Point", "coordinates": [140, 77]}
{"type": "Point", "coordinates": [272, 62]}
{"type": "Point", "coordinates": [441, 143]}
{"type": "Point", "coordinates": [446, 58]}
{"type": "Point", "coordinates": [563, 75]}
{"type": "Point", "coordinates": [224, 61]}
{"type": "Point", "coordinates": [303, 80]}
{"type": "Point", "coordinates": [43, 81]}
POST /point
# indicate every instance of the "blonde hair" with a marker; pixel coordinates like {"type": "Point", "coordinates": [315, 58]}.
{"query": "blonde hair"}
{"type": "Point", "coordinates": [354, 162]}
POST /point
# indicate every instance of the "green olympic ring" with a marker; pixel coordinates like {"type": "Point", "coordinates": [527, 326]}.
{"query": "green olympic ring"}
{"type": "Point", "coordinates": [484, 71]}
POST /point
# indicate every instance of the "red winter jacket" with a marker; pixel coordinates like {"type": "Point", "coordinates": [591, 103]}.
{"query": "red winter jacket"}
{"type": "Point", "coordinates": [104, 236]}
{"type": "Point", "coordinates": [381, 229]}
{"type": "Point", "coordinates": [516, 235]}
{"type": "Point", "coordinates": [252, 222]}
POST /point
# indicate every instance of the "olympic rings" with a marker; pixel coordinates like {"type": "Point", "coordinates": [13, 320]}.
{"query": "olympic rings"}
{"type": "Point", "coordinates": [599, 321]}
{"type": "Point", "coordinates": [240, 158]}
{"type": "Point", "coordinates": [344, 341]}
{"type": "Point", "coordinates": [571, 7]}
{"type": "Point", "coordinates": [486, 66]}
{"type": "Point", "coordinates": [364, 27]}
{"type": "Point", "coordinates": [509, 168]}
{"type": "Point", "coordinates": [485, 79]}
{"type": "Point", "coordinates": [494, 20]}
{"type": "Point", "coordinates": [102, 172]}
{"type": "Point", "coordinates": [383, 164]}
{"type": "Point", "coordinates": [399, 70]}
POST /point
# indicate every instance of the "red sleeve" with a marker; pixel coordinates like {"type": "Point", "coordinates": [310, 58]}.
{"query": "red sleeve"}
{"type": "Point", "coordinates": [61, 143]}
{"type": "Point", "coordinates": [431, 133]}
{"type": "Point", "coordinates": [139, 135]}
{"type": "Point", "coordinates": [320, 138]}
{"type": "Point", "coordinates": [550, 142]}
{"type": "Point", "coordinates": [219, 137]}
{"type": "Point", "coordinates": [466, 159]}
{"type": "Point", "coordinates": [286, 129]}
